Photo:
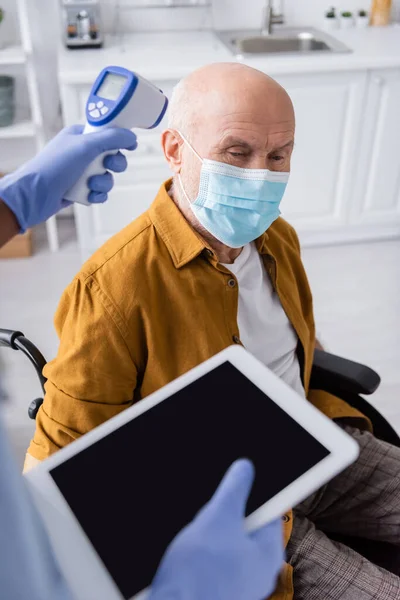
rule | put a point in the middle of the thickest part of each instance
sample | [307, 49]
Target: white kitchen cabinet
[328, 109]
[376, 199]
[345, 180]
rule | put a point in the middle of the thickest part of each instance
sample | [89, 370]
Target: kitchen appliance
[7, 100]
[81, 23]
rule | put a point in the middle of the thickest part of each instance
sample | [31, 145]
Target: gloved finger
[73, 129]
[115, 162]
[270, 538]
[233, 491]
[114, 138]
[101, 183]
[97, 197]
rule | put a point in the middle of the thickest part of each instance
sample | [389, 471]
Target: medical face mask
[236, 205]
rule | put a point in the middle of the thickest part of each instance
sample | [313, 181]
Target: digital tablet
[113, 500]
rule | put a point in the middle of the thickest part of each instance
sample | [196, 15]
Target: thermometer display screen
[111, 87]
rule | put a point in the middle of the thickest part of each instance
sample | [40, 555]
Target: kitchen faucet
[269, 18]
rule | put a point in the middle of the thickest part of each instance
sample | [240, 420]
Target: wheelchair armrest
[335, 374]
[17, 341]
[8, 337]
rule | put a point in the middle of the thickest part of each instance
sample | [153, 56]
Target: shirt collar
[262, 243]
[183, 243]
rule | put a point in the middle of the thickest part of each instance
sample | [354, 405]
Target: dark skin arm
[9, 226]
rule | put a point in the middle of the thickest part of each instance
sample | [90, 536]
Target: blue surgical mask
[236, 205]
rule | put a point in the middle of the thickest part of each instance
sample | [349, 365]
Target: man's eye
[277, 158]
[236, 154]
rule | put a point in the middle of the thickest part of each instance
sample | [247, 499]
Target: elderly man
[214, 555]
[208, 265]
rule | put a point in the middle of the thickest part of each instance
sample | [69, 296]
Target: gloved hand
[214, 557]
[36, 191]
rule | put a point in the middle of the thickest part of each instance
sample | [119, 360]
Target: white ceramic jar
[362, 21]
[346, 22]
[331, 23]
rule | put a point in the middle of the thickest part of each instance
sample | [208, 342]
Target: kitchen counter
[172, 55]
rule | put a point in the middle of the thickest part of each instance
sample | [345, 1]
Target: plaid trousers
[364, 501]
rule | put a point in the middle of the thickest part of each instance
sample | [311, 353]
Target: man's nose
[258, 162]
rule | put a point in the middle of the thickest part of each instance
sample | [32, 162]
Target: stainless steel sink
[304, 40]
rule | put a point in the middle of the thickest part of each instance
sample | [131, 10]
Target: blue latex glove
[214, 557]
[36, 191]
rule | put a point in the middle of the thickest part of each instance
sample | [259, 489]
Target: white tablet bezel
[79, 561]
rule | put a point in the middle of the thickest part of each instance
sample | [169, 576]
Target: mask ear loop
[179, 175]
[183, 190]
[190, 145]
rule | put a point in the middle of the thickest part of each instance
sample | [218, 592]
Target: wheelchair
[338, 376]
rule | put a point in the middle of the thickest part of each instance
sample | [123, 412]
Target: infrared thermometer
[118, 98]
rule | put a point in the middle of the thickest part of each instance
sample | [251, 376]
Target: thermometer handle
[80, 191]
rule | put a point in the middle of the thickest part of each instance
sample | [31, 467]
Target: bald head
[221, 89]
[229, 113]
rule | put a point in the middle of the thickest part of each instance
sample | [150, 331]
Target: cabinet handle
[378, 81]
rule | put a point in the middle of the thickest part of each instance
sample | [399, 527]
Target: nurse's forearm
[8, 224]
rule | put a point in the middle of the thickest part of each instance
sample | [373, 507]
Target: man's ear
[171, 143]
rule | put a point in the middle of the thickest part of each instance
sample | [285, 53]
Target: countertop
[172, 55]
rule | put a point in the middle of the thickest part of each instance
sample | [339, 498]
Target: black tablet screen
[135, 489]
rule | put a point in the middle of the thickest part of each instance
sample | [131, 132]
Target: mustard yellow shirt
[151, 304]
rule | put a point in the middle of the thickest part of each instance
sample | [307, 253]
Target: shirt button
[236, 339]
[209, 252]
[286, 518]
[231, 283]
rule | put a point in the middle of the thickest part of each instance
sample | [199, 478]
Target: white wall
[153, 19]
[236, 13]
[229, 14]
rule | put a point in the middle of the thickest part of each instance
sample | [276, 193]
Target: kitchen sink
[306, 40]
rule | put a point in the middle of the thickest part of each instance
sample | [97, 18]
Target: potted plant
[362, 19]
[346, 19]
[1, 19]
[331, 21]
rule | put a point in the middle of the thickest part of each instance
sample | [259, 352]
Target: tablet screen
[135, 489]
